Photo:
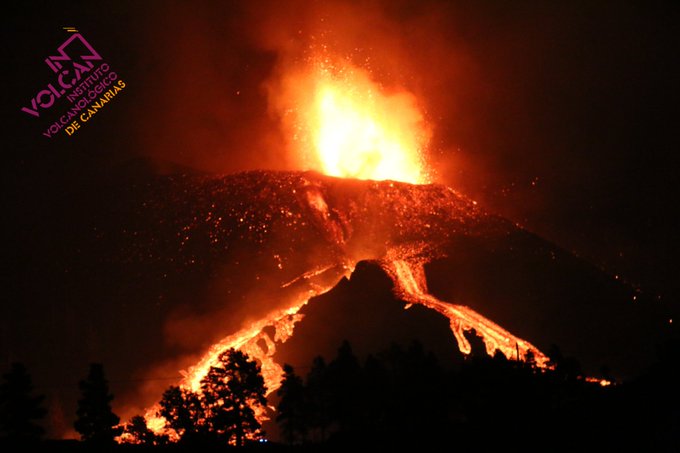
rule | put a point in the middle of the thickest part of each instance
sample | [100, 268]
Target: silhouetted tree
[293, 409]
[95, 420]
[414, 407]
[424, 378]
[375, 394]
[19, 409]
[344, 373]
[231, 391]
[184, 413]
[139, 433]
[320, 397]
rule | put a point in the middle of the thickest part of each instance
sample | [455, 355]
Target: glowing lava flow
[251, 339]
[247, 340]
[411, 286]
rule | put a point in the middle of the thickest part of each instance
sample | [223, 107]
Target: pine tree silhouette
[184, 413]
[293, 409]
[231, 391]
[19, 409]
[95, 420]
[344, 374]
[320, 397]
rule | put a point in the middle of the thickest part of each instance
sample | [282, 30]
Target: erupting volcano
[400, 222]
[305, 231]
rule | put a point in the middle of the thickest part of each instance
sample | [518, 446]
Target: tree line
[398, 396]
[403, 396]
[223, 411]
[21, 411]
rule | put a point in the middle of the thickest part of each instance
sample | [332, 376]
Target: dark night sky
[561, 116]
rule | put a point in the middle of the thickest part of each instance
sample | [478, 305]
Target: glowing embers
[601, 382]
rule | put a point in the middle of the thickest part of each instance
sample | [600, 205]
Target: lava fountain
[348, 126]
